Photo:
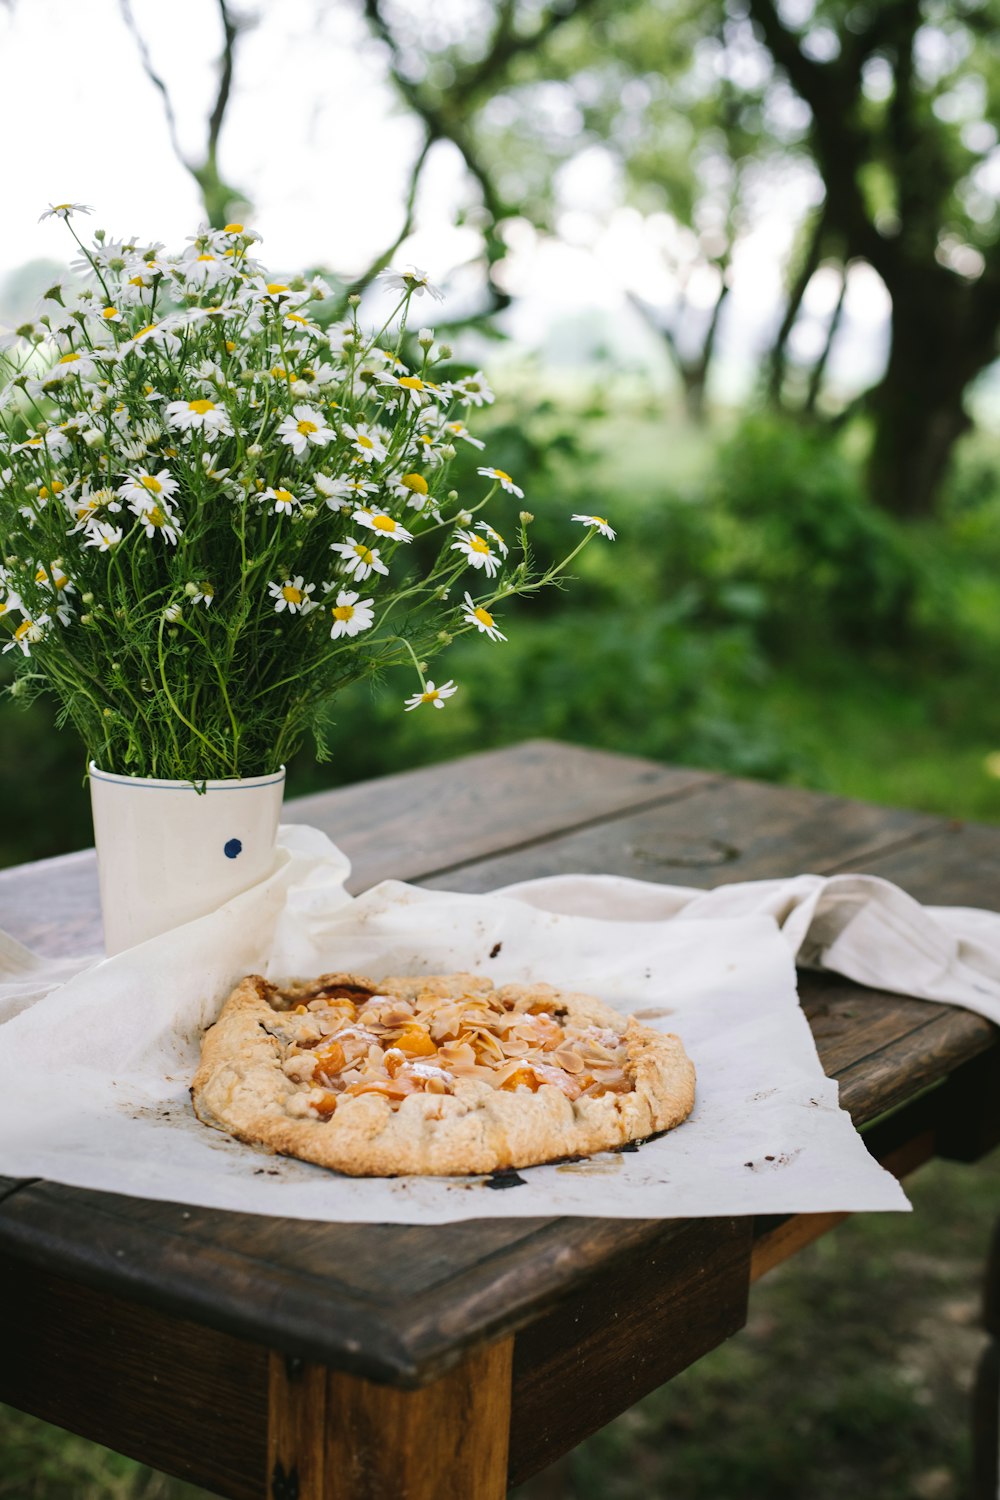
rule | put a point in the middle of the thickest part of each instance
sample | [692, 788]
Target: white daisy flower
[90, 506]
[306, 425]
[382, 522]
[412, 488]
[337, 492]
[103, 536]
[200, 593]
[64, 210]
[494, 537]
[199, 415]
[478, 551]
[599, 524]
[411, 280]
[52, 440]
[73, 362]
[284, 501]
[475, 614]
[54, 579]
[459, 430]
[366, 443]
[432, 694]
[26, 634]
[359, 560]
[503, 479]
[413, 388]
[474, 390]
[292, 595]
[143, 487]
[10, 601]
[351, 614]
[157, 520]
[298, 323]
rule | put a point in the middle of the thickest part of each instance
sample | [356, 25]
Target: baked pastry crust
[267, 1078]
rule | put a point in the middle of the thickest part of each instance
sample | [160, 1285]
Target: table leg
[337, 1437]
[986, 1396]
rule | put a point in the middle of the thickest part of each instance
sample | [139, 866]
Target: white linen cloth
[96, 1056]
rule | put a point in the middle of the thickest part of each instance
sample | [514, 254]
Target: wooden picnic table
[263, 1357]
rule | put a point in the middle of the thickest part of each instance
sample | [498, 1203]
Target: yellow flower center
[306, 427]
[110, 312]
[278, 372]
[230, 347]
[232, 229]
[292, 594]
[59, 580]
[415, 482]
[297, 318]
[135, 281]
[206, 256]
[69, 359]
[501, 474]
[384, 523]
[201, 406]
[41, 576]
[22, 630]
[342, 611]
[274, 287]
[57, 489]
[429, 697]
[151, 483]
[155, 517]
[364, 442]
[366, 554]
[284, 497]
[600, 520]
[143, 331]
[476, 544]
[411, 382]
[483, 615]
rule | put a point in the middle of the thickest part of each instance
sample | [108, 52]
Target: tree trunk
[939, 345]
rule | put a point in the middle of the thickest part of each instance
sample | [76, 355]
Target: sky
[315, 135]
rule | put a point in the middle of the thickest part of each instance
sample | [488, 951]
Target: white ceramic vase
[168, 852]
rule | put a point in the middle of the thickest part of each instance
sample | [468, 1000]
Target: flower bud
[525, 517]
[452, 496]
[354, 300]
[447, 452]
[86, 619]
[254, 450]
[445, 351]
[93, 438]
[308, 512]
[87, 598]
[445, 637]
[190, 589]
[425, 338]
[172, 614]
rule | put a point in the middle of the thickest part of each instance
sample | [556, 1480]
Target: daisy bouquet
[217, 509]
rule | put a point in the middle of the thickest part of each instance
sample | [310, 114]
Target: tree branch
[156, 81]
[842, 145]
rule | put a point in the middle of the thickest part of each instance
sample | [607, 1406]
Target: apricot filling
[346, 1040]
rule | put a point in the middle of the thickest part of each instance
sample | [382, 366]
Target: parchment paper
[95, 1067]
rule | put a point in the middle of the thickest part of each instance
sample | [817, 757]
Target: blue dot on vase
[231, 848]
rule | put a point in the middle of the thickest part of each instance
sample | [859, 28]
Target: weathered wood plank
[647, 1316]
[167, 1391]
[729, 830]
[448, 1441]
